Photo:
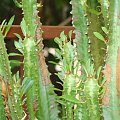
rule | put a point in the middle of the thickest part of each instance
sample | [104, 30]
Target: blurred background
[53, 12]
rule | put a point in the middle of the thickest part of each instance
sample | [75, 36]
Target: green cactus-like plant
[67, 76]
[82, 17]
[112, 63]
[101, 15]
[79, 16]
[5, 73]
[33, 64]
[8, 91]
[81, 96]
[31, 56]
[95, 21]
[39, 92]
[10, 86]
[89, 64]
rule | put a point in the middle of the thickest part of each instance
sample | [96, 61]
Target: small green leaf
[60, 83]
[3, 22]
[26, 85]
[57, 89]
[63, 36]
[52, 62]
[15, 54]
[19, 37]
[3, 27]
[17, 4]
[93, 11]
[99, 36]
[57, 40]
[15, 63]
[70, 98]
[23, 27]
[61, 102]
[105, 30]
[60, 76]
[9, 25]
[58, 53]
[19, 46]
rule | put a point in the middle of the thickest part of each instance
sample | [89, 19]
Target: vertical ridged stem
[7, 82]
[67, 76]
[86, 20]
[29, 7]
[112, 112]
[34, 65]
[105, 5]
[80, 24]
[5, 72]
[29, 72]
[5, 69]
[96, 22]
